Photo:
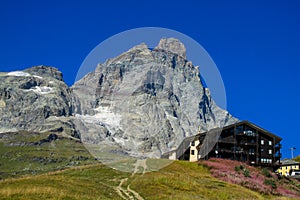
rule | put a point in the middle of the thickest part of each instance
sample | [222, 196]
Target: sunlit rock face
[144, 102]
[35, 99]
[141, 103]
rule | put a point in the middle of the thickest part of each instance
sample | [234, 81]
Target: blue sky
[255, 46]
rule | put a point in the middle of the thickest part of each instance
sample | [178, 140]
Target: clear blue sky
[255, 46]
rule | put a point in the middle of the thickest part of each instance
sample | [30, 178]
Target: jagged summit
[142, 47]
[45, 71]
[144, 103]
[172, 45]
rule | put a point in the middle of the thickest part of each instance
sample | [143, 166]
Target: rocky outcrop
[145, 102]
[172, 45]
[35, 99]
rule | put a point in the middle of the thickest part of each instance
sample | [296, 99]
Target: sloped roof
[245, 122]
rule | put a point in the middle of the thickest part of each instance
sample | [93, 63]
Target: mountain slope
[145, 102]
[36, 99]
[141, 103]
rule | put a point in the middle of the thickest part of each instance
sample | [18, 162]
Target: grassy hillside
[180, 180]
[37, 166]
[23, 153]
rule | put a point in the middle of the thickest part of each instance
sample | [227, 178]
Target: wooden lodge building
[242, 141]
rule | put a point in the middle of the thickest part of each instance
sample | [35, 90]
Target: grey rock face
[172, 45]
[145, 102]
[35, 99]
[141, 103]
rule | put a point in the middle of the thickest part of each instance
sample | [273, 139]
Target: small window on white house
[193, 152]
[193, 143]
[270, 151]
[262, 142]
[270, 142]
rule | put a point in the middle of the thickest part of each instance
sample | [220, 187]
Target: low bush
[270, 182]
[266, 172]
[246, 173]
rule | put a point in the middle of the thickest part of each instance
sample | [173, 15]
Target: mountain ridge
[142, 103]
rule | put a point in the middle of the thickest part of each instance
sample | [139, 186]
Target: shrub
[266, 172]
[242, 167]
[270, 182]
[246, 173]
[237, 168]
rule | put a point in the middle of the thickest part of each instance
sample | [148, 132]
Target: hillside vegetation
[297, 158]
[261, 180]
[180, 180]
[23, 153]
[45, 166]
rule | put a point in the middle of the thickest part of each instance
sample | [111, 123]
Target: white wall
[194, 157]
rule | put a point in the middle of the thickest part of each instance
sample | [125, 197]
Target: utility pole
[292, 151]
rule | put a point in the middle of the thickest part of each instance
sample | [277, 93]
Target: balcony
[237, 150]
[227, 141]
[221, 150]
[246, 143]
[247, 133]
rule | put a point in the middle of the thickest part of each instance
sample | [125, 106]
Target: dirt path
[140, 164]
[135, 194]
[128, 193]
[122, 192]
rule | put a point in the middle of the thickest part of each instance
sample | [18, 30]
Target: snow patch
[18, 73]
[5, 130]
[104, 116]
[37, 76]
[119, 141]
[42, 90]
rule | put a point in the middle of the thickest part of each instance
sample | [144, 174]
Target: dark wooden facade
[245, 142]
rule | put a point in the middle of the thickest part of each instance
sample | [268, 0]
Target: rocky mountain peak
[45, 71]
[172, 45]
[35, 99]
[141, 103]
[142, 47]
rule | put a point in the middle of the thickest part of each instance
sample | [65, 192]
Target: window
[193, 152]
[262, 150]
[270, 142]
[239, 129]
[270, 151]
[251, 151]
[262, 142]
[265, 160]
[193, 143]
